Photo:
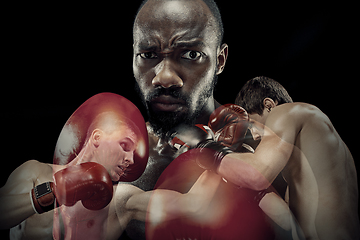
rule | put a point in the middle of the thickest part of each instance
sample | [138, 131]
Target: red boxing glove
[89, 182]
[200, 139]
[229, 123]
[187, 136]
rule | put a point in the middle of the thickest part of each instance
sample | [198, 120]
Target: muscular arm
[15, 203]
[286, 226]
[163, 205]
[259, 169]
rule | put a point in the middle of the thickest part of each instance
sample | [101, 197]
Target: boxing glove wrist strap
[211, 155]
[43, 198]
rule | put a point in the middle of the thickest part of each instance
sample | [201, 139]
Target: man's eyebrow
[189, 44]
[129, 141]
[177, 44]
[147, 47]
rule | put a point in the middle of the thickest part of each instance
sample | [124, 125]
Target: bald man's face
[176, 60]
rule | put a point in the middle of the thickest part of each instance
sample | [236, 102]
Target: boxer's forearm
[14, 209]
[259, 169]
[166, 205]
[239, 169]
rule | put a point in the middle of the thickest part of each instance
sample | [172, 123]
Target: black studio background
[55, 56]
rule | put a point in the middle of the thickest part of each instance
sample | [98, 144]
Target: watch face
[42, 190]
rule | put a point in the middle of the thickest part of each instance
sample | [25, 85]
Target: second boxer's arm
[15, 203]
[166, 205]
[285, 223]
[163, 205]
[259, 169]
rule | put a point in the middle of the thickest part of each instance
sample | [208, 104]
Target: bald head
[177, 11]
[177, 57]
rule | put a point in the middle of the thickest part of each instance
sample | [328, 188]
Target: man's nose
[166, 75]
[129, 157]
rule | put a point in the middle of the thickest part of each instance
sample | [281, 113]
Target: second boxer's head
[258, 97]
[112, 143]
[177, 57]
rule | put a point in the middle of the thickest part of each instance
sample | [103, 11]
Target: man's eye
[191, 55]
[148, 55]
[125, 147]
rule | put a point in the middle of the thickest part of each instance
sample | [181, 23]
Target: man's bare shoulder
[124, 192]
[297, 112]
[26, 176]
[309, 122]
[31, 168]
[308, 115]
[122, 196]
[297, 109]
[288, 119]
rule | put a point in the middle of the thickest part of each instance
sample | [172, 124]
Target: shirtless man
[299, 141]
[178, 54]
[115, 138]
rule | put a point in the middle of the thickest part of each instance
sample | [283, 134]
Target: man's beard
[161, 121]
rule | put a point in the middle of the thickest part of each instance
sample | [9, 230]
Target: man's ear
[96, 136]
[221, 58]
[269, 104]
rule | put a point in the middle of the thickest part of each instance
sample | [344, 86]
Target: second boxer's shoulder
[26, 176]
[286, 120]
[34, 167]
[122, 196]
[297, 115]
[296, 109]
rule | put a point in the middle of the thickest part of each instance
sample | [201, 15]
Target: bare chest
[35, 227]
[81, 223]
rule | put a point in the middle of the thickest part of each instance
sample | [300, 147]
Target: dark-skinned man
[178, 54]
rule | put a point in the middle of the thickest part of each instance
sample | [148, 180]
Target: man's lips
[167, 103]
[120, 170]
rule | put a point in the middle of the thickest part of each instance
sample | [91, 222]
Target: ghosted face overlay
[176, 60]
[115, 151]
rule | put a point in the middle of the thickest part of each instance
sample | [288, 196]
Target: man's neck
[83, 156]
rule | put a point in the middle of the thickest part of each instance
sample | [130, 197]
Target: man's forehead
[254, 117]
[178, 10]
[125, 132]
[172, 20]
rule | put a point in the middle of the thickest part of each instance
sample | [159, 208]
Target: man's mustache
[174, 92]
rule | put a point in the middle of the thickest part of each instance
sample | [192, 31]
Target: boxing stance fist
[205, 150]
[88, 182]
[229, 124]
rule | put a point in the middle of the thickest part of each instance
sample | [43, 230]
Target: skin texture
[299, 141]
